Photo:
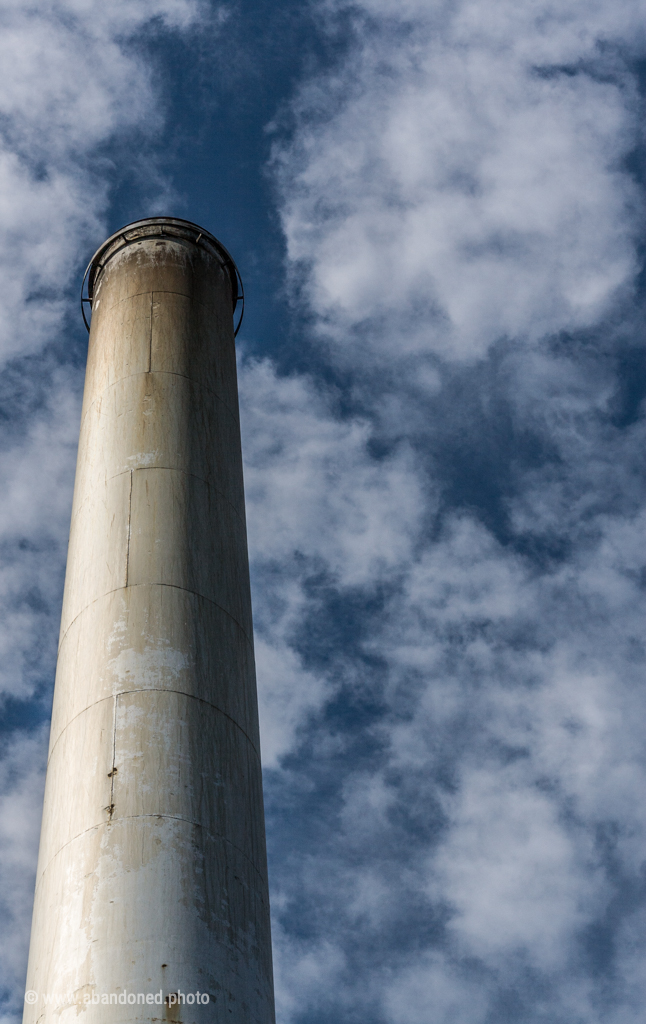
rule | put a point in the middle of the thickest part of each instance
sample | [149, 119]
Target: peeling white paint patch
[149, 667]
[143, 459]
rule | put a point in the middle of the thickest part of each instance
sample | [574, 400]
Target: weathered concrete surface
[152, 867]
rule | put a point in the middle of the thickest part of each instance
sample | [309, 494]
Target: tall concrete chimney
[151, 890]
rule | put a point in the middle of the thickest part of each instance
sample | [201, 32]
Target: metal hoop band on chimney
[167, 228]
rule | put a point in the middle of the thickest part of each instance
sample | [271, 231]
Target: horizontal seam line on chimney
[172, 469]
[152, 689]
[173, 586]
[166, 373]
[128, 817]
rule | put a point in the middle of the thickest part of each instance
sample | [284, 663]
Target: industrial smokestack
[151, 895]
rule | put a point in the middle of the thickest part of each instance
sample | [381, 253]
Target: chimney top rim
[109, 249]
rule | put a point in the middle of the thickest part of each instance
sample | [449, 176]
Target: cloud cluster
[37, 472]
[472, 184]
[464, 758]
[21, 788]
[316, 505]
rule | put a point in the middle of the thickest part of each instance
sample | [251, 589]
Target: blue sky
[438, 213]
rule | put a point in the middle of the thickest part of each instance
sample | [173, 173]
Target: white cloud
[316, 502]
[22, 779]
[512, 872]
[458, 186]
[514, 724]
[466, 190]
[35, 503]
[312, 487]
[287, 694]
[312, 972]
[543, 707]
[433, 990]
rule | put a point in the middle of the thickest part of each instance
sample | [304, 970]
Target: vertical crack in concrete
[150, 336]
[113, 770]
[129, 524]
